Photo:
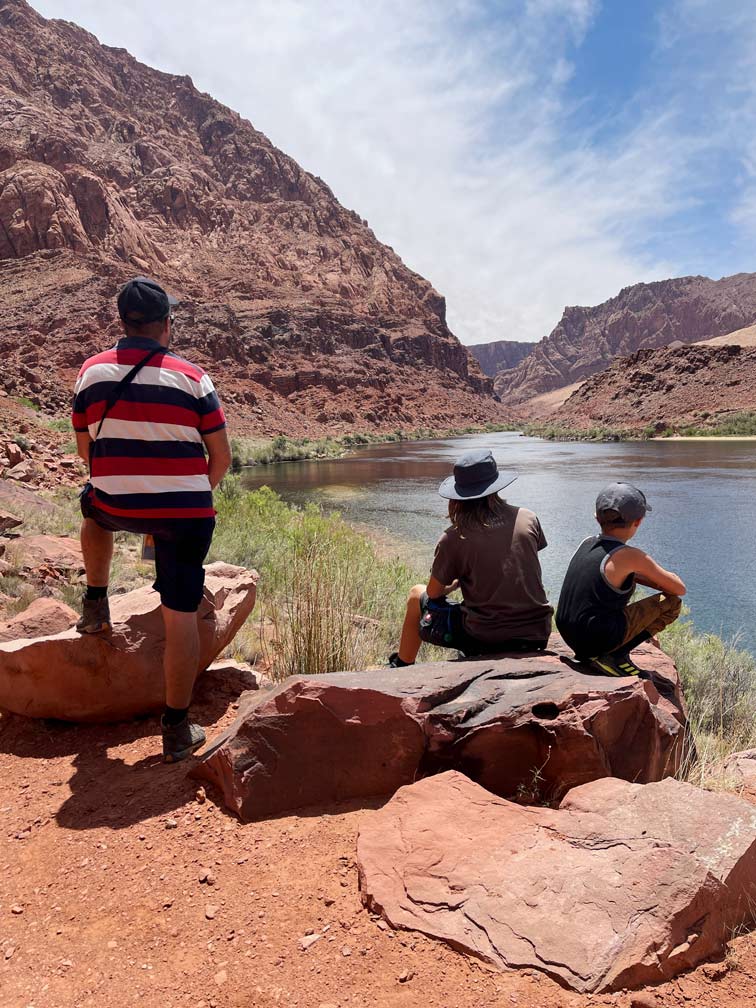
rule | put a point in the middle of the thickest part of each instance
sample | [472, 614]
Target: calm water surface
[703, 493]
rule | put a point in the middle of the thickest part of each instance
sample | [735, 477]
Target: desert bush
[719, 683]
[328, 600]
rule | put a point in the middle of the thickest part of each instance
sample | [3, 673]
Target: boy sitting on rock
[593, 615]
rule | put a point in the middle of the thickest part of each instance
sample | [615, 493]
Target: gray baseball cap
[628, 501]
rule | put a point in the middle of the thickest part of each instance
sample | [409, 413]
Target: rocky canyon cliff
[109, 169]
[645, 316]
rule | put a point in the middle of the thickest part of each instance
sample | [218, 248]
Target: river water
[703, 494]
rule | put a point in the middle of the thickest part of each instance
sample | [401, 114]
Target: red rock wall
[109, 168]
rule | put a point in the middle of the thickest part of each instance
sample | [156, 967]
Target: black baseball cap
[628, 501]
[142, 300]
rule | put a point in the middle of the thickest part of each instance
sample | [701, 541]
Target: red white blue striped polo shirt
[149, 460]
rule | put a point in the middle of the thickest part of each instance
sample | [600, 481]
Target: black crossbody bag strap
[115, 395]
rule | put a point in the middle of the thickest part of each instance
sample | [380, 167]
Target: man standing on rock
[143, 419]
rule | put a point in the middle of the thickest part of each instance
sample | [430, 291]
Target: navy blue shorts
[181, 545]
[441, 623]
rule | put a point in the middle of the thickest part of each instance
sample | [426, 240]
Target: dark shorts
[181, 545]
[441, 623]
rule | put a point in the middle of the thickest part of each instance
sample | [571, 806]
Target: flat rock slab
[623, 886]
[530, 727]
[118, 675]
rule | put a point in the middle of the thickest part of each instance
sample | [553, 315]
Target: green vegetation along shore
[248, 451]
[737, 425]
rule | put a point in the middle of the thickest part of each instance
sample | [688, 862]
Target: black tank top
[591, 612]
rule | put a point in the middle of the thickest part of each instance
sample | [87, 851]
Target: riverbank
[738, 426]
[253, 451]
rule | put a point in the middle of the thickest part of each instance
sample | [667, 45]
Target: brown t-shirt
[500, 577]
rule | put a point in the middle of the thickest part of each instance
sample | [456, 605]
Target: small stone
[328, 901]
[203, 873]
[715, 971]
[643, 1000]
[9, 952]
[17, 909]
[200, 795]
[167, 904]
[406, 975]
[112, 944]
[346, 951]
[171, 824]
[383, 925]
[308, 940]
[220, 977]
[210, 912]
[67, 963]
[210, 879]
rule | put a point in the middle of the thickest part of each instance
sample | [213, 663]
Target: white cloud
[443, 122]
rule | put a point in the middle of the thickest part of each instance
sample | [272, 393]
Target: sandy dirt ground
[119, 887]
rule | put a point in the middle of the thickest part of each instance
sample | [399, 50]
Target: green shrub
[331, 601]
[719, 684]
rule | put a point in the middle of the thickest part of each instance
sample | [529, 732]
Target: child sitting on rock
[490, 552]
[593, 615]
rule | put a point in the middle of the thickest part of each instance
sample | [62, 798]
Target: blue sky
[521, 155]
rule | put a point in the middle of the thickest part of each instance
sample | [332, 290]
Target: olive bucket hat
[475, 475]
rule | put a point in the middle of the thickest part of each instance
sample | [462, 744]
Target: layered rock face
[523, 727]
[109, 168]
[118, 675]
[674, 385]
[500, 355]
[624, 885]
[644, 316]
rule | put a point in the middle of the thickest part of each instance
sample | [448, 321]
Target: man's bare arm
[646, 570]
[219, 455]
[436, 590]
[83, 441]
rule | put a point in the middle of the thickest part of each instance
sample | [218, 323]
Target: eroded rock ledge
[526, 727]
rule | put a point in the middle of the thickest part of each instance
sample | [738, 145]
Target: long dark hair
[482, 512]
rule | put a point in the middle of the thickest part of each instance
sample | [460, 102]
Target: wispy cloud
[449, 125]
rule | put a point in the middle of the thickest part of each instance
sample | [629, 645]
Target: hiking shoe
[396, 662]
[95, 616]
[614, 665]
[180, 741]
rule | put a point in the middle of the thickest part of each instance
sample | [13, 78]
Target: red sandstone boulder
[110, 677]
[530, 727]
[740, 768]
[44, 617]
[624, 885]
[45, 554]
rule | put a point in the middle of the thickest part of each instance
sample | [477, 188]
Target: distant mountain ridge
[644, 316]
[500, 355]
[109, 168]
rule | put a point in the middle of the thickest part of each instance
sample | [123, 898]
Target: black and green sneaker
[618, 665]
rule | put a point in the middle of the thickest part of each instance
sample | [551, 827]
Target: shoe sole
[177, 757]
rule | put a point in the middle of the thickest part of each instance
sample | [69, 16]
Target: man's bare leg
[181, 659]
[97, 550]
[410, 642]
[97, 547]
